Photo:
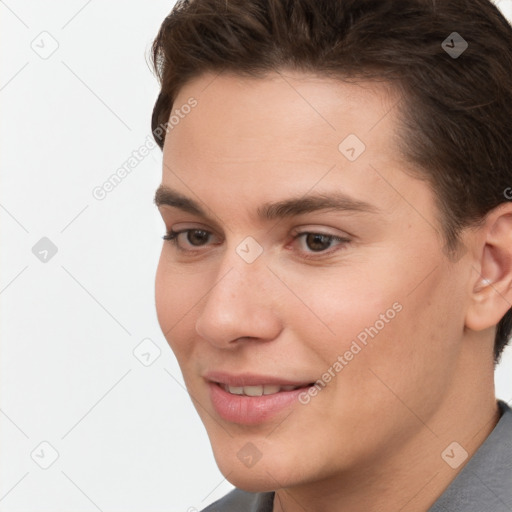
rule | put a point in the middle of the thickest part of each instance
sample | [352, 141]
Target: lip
[252, 379]
[251, 410]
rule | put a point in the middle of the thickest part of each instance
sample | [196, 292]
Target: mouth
[259, 390]
[251, 399]
[253, 382]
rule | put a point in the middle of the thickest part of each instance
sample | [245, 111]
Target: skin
[372, 439]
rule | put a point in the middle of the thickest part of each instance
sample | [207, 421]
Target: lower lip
[251, 410]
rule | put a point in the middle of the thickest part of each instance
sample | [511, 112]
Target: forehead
[303, 110]
[258, 139]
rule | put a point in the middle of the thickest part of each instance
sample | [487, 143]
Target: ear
[491, 285]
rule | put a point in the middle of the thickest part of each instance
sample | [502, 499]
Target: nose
[239, 304]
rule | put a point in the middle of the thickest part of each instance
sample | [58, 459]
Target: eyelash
[172, 237]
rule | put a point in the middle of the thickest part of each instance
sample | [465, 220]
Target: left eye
[319, 241]
[313, 242]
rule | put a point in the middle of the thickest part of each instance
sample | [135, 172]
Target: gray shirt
[483, 485]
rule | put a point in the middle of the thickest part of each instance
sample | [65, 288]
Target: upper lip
[251, 379]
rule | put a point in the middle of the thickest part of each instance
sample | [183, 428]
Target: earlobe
[491, 295]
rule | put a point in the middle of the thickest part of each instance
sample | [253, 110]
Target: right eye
[194, 238]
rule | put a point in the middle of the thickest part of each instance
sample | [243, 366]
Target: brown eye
[186, 238]
[318, 241]
[197, 236]
[317, 245]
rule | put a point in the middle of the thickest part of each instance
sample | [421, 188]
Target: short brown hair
[456, 113]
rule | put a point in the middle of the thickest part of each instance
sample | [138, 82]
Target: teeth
[235, 390]
[266, 389]
[253, 390]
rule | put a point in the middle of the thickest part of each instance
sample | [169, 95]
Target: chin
[263, 476]
[251, 480]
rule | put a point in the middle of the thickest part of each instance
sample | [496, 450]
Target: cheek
[176, 293]
[382, 321]
[410, 360]
[330, 310]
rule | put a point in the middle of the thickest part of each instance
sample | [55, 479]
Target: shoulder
[238, 500]
[485, 482]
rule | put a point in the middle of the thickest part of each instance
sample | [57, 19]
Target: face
[343, 283]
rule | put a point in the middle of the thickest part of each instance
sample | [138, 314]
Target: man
[337, 272]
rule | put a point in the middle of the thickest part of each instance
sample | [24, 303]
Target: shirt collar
[485, 482]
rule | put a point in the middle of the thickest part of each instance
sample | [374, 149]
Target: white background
[127, 435]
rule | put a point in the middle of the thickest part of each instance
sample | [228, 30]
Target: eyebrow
[337, 201]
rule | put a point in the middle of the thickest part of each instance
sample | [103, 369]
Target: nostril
[248, 338]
